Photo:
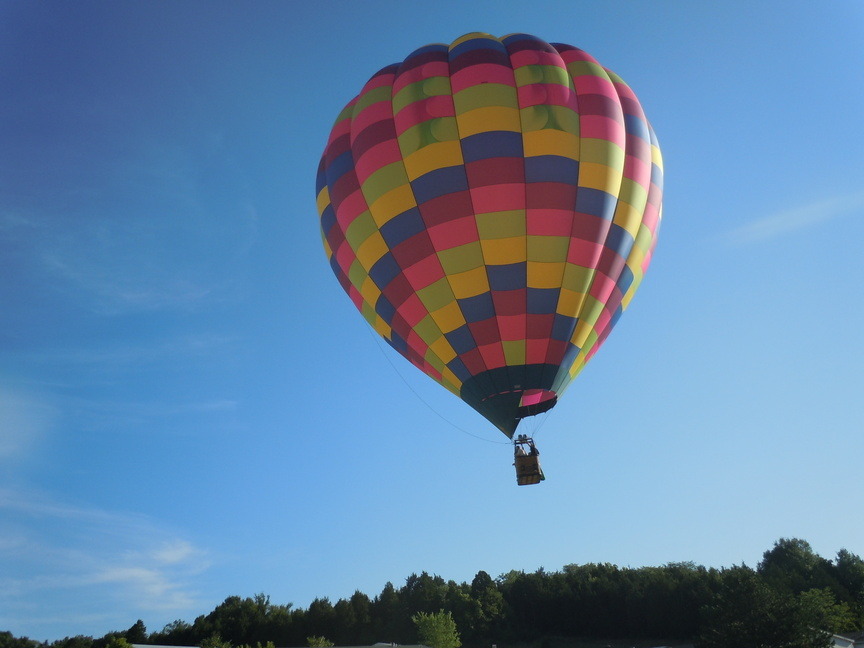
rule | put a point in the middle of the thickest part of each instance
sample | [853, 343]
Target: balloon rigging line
[421, 399]
[535, 430]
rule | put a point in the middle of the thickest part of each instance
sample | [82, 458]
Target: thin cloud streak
[134, 355]
[36, 506]
[127, 415]
[174, 552]
[154, 589]
[132, 288]
[103, 556]
[15, 224]
[160, 243]
[796, 218]
[24, 420]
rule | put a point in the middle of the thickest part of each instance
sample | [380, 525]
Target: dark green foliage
[792, 566]
[360, 628]
[849, 569]
[78, 641]
[320, 617]
[602, 600]
[792, 599]
[176, 633]
[850, 576]
[137, 634]
[486, 610]
[749, 613]
[391, 619]
[7, 640]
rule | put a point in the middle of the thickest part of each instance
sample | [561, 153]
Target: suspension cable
[377, 339]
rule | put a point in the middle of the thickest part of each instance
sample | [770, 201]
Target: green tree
[344, 622]
[748, 613]
[464, 609]
[437, 629]
[8, 640]
[362, 632]
[118, 642]
[318, 642]
[424, 593]
[823, 610]
[215, 641]
[320, 617]
[849, 570]
[137, 634]
[78, 641]
[488, 610]
[176, 633]
[389, 616]
[792, 566]
[240, 620]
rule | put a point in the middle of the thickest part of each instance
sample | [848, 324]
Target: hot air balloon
[490, 207]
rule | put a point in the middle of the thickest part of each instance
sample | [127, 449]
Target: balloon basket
[527, 462]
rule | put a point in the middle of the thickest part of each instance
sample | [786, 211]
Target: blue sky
[190, 407]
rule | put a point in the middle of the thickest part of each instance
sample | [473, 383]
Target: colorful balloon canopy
[490, 207]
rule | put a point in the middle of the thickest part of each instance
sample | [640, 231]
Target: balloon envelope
[490, 207]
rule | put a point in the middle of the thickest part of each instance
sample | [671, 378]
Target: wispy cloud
[123, 283]
[132, 416]
[151, 584]
[174, 552]
[163, 228]
[117, 564]
[24, 420]
[74, 387]
[797, 218]
[120, 356]
[14, 223]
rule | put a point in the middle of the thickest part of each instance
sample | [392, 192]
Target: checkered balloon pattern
[490, 207]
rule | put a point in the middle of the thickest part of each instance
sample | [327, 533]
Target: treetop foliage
[437, 630]
[794, 598]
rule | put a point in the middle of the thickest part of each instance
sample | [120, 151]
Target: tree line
[794, 598]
